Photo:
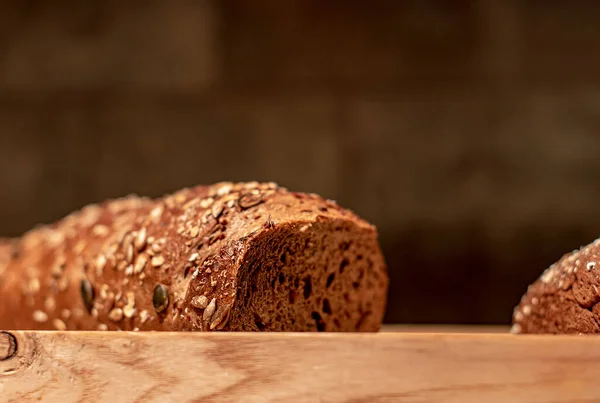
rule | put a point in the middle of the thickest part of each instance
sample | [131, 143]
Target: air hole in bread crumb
[281, 278]
[356, 284]
[330, 279]
[345, 245]
[326, 307]
[343, 265]
[283, 257]
[359, 257]
[323, 209]
[186, 270]
[362, 319]
[307, 287]
[259, 322]
[319, 321]
[336, 322]
[292, 296]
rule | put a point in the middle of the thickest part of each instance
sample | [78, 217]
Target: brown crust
[566, 297]
[108, 266]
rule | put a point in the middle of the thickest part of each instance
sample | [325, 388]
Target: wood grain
[248, 367]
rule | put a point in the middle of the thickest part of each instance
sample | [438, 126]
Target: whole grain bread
[566, 297]
[237, 257]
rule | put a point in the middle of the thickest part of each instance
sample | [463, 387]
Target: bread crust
[179, 263]
[565, 298]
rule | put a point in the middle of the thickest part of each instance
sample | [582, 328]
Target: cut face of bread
[322, 276]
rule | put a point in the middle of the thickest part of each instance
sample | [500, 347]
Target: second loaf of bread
[244, 256]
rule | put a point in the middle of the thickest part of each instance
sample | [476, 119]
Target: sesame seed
[223, 190]
[534, 301]
[104, 291]
[150, 240]
[200, 302]
[547, 275]
[121, 265]
[59, 324]
[65, 313]
[100, 263]
[129, 270]
[180, 197]
[217, 210]
[100, 230]
[156, 213]
[40, 316]
[206, 203]
[527, 310]
[157, 261]
[194, 231]
[193, 257]
[515, 329]
[190, 203]
[116, 314]
[590, 266]
[156, 248]
[102, 327]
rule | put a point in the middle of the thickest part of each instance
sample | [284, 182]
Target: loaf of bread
[232, 257]
[566, 297]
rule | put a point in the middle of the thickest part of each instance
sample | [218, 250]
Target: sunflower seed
[140, 239]
[210, 310]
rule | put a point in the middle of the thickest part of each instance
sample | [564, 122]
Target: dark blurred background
[467, 131]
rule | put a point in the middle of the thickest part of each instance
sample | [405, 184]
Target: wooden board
[288, 367]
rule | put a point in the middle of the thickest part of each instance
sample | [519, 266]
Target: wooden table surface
[400, 364]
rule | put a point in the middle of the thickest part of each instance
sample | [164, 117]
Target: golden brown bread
[244, 256]
[566, 297]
